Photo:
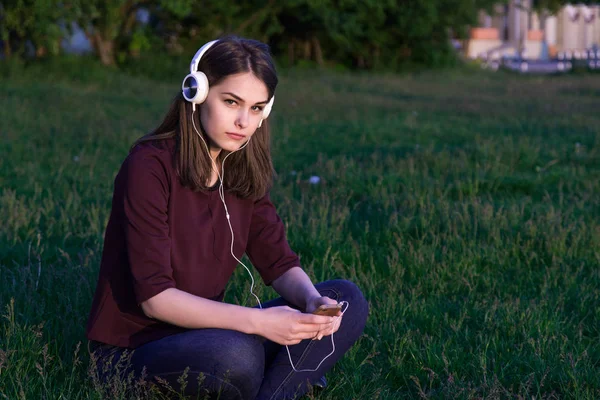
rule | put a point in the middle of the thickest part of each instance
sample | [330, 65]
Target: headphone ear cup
[195, 87]
[268, 107]
[266, 111]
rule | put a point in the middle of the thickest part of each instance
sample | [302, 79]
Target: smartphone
[330, 310]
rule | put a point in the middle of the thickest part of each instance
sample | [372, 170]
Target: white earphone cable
[222, 196]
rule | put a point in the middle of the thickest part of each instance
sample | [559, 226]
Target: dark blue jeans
[235, 365]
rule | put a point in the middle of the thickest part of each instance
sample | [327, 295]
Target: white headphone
[195, 85]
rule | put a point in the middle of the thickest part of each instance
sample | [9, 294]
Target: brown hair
[249, 172]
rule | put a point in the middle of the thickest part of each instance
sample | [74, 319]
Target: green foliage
[111, 25]
[33, 20]
[364, 34]
[379, 34]
[140, 41]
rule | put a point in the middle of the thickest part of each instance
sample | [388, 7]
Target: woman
[179, 223]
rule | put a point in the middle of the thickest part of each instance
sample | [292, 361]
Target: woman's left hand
[312, 304]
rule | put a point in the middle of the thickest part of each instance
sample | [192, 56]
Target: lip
[235, 136]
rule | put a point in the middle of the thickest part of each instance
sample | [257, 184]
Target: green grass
[465, 204]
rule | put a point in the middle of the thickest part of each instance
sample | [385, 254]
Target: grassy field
[465, 204]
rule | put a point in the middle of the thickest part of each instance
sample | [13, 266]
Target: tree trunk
[317, 51]
[360, 62]
[104, 48]
[376, 57]
[128, 25]
[291, 51]
[306, 50]
[7, 50]
[405, 52]
[40, 52]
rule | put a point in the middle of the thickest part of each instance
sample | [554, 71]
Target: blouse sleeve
[145, 203]
[267, 246]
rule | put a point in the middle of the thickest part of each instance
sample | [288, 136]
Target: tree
[355, 33]
[33, 21]
[108, 23]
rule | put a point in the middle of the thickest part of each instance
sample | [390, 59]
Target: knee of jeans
[243, 365]
[351, 293]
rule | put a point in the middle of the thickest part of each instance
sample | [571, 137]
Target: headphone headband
[199, 54]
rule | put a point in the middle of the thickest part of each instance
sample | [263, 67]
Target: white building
[515, 28]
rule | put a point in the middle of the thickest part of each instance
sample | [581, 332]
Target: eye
[257, 108]
[230, 102]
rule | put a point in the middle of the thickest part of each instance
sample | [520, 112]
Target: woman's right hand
[287, 326]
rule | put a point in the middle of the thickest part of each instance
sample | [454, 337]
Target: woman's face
[232, 110]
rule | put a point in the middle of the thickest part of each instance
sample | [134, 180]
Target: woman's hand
[313, 303]
[287, 326]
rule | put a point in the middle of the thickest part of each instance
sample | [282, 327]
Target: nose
[242, 118]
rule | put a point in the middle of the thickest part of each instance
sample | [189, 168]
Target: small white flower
[314, 180]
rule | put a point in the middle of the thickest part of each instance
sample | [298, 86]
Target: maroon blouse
[162, 235]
